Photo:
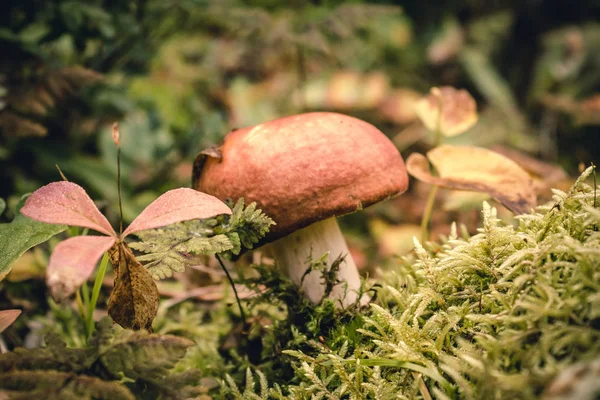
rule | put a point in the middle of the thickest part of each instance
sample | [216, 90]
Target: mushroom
[303, 171]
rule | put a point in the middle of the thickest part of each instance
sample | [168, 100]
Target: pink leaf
[72, 263]
[66, 203]
[7, 317]
[175, 206]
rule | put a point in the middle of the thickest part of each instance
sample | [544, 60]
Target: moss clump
[496, 315]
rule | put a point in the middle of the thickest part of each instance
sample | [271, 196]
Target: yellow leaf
[447, 110]
[479, 170]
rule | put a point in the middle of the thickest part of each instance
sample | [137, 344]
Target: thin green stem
[85, 295]
[80, 306]
[427, 214]
[431, 199]
[89, 321]
[232, 283]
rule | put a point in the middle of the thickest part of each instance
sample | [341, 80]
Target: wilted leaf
[21, 235]
[447, 110]
[175, 206]
[133, 302]
[72, 262]
[7, 317]
[545, 175]
[479, 170]
[66, 203]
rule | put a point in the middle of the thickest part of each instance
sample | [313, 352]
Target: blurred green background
[179, 74]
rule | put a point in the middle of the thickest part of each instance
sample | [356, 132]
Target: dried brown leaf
[133, 302]
[479, 170]
[545, 175]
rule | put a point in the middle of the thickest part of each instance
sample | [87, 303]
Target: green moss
[496, 315]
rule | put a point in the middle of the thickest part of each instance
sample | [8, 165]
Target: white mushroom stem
[293, 251]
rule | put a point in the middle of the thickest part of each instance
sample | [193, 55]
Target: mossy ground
[491, 316]
[495, 315]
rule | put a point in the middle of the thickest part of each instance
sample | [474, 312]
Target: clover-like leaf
[476, 169]
[7, 317]
[175, 206]
[66, 203]
[447, 110]
[72, 262]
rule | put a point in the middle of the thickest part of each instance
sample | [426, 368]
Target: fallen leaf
[175, 206]
[479, 170]
[447, 110]
[66, 203]
[133, 302]
[545, 175]
[7, 317]
[19, 236]
[72, 262]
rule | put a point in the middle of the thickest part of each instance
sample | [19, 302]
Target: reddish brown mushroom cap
[304, 168]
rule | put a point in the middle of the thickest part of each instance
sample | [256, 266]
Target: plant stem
[85, 295]
[80, 304]
[232, 283]
[89, 320]
[427, 214]
[431, 199]
[119, 190]
[594, 173]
